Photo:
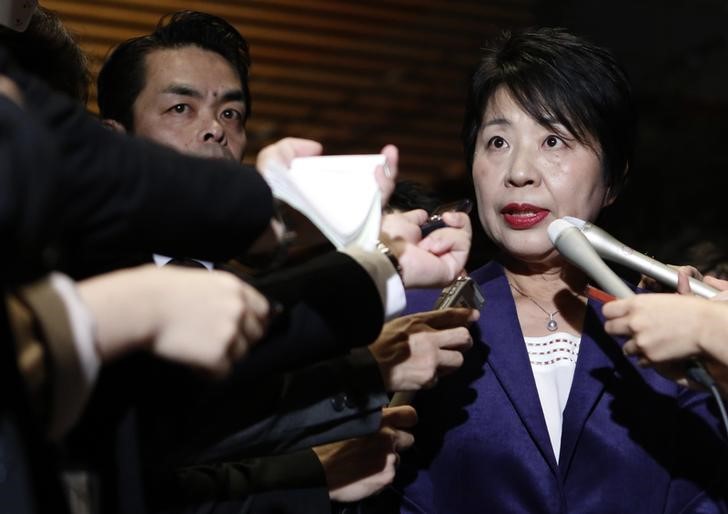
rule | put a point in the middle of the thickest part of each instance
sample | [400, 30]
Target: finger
[402, 440]
[618, 327]
[255, 302]
[252, 328]
[450, 361]
[451, 338]
[692, 272]
[721, 297]
[385, 182]
[10, 89]
[238, 348]
[403, 416]
[304, 147]
[683, 284]
[416, 216]
[616, 308]
[456, 219]
[456, 339]
[445, 240]
[449, 318]
[287, 149]
[717, 283]
[218, 369]
[630, 348]
[391, 153]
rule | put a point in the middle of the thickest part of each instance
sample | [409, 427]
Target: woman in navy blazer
[547, 415]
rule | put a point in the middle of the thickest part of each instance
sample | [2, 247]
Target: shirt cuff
[385, 277]
[68, 334]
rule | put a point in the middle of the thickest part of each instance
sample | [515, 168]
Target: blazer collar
[588, 384]
[508, 358]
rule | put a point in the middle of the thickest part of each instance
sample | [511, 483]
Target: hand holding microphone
[573, 244]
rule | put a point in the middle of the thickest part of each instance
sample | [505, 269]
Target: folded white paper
[338, 193]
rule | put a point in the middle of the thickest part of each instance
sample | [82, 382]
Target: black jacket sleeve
[293, 483]
[331, 304]
[87, 188]
[185, 422]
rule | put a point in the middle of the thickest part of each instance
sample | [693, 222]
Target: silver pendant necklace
[551, 324]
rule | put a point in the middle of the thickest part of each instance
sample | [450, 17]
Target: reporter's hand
[195, 317]
[683, 285]
[282, 152]
[434, 261]
[660, 327]
[386, 178]
[357, 468]
[721, 285]
[414, 351]
[10, 89]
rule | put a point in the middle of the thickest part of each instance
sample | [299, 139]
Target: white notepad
[337, 193]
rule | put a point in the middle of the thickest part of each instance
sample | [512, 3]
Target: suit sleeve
[289, 482]
[329, 401]
[56, 356]
[331, 304]
[79, 185]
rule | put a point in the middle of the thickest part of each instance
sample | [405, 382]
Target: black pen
[435, 221]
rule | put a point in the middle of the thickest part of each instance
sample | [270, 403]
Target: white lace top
[553, 360]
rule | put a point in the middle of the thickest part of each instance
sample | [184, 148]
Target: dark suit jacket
[185, 419]
[28, 484]
[632, 441]
[67, 185]
[293, 482]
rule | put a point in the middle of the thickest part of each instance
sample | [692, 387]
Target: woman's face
[527, 175]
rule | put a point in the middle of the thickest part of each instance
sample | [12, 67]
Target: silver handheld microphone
[611, 249]
[573, 245]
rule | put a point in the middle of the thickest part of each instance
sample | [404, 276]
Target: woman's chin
[545, 256]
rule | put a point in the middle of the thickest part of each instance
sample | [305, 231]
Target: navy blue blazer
[632, 441]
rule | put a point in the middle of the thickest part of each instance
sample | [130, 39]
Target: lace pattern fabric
[553, 360]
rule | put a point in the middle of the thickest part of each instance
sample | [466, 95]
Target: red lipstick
[521, 216]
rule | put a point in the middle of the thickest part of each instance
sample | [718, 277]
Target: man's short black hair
[48, 50]
[557, 77]
[123, 75]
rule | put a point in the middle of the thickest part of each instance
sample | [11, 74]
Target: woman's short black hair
[557, 77]
[123, 75]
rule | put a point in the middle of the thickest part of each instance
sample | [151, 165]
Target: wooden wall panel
[354, 75]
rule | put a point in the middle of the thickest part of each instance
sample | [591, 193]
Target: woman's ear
[113, 125]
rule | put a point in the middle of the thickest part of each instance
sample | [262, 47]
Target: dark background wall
[676, 54]
[358, 75]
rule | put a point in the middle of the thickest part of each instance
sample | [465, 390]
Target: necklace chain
[551, 324]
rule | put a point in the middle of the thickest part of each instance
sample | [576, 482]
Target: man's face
[193, 101]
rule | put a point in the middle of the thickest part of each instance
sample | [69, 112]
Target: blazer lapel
[508, 357]
[588, 385]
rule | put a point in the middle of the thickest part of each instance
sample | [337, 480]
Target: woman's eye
[497, 142]
[553, 141]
